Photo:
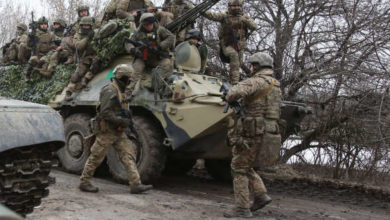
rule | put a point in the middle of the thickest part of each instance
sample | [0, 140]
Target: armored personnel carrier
[29, 135]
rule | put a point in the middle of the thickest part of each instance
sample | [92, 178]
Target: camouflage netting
[113, 45]
[39, 89]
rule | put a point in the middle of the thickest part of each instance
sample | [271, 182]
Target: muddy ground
[189, 197]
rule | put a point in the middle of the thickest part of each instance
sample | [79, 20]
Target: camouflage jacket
[260, 93]
[110, 107]
[58, 35]
[82, 43]
[178, 9]
[159, 37]
[234, 28]
[45, 42]
[124, 7]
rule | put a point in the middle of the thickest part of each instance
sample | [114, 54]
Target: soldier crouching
[112, 120]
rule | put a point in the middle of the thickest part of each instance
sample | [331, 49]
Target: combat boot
[238, 213]
[140, 188]
[88, 187]
[70, 60]
[69, 96]
[260, 202]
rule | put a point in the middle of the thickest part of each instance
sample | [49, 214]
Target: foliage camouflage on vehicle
[39, 89]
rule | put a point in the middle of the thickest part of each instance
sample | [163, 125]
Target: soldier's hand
[59, 48]
[135, 13]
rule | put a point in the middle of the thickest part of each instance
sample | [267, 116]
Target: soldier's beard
[235, 11]
[85, 31]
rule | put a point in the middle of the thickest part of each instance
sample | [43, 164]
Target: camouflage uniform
[112, 121]
[123, 9]
[67, 44]
[202, 48]
[162, 40]
[251, 135]
[87, 64]
[233, 23]
[177, 8]
[15, 50]
[45, 42]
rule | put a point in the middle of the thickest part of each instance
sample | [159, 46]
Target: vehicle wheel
[74, 154]
[151, 155]
[24, 177]
[178, 167]
[219, 169]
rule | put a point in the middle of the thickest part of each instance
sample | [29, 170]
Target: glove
[154, 50]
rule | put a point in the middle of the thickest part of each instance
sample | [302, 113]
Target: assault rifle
[33, 40]
[144, 49]
[189, 17]
[236, 105]
[68, 29]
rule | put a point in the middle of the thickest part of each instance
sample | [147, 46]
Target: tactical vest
[265, 105]
[178, 9]
[151, 38]
[232, 31]
[45, 42]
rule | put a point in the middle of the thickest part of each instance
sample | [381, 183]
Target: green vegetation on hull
[39, 89]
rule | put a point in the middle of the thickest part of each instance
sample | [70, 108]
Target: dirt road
[186, 198]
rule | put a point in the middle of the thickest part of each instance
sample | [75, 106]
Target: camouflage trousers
[99, 150]
[139, 71]
[87, 68]
[244, 176]
[235, 63]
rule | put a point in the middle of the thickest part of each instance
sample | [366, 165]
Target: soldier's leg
[13, 52]
[98, 151]
[166, 67]
[139, 68]
[44, 62]
[75, 80]
[53, 61]
[234, 63]
[23, 53]
[68, 49]
[128, 156]
[32, 62]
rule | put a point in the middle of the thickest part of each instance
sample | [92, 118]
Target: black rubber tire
[151, 154]
[24, 177]
[75, 125]
[178, 167]
[219, 169]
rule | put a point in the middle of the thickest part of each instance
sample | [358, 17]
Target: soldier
[67, 47]
[87, 64]
[112, 119]
[12, 52]
[177, 8]
[124, 9]
[159, 41]
[59, 26]
[44, 42]
[233, 34]
[251, 135]
[194, 37]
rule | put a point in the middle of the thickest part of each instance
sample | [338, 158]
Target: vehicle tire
[74, 154]
[24, 177]
[219, 169]
[178, 167]
[151, 154]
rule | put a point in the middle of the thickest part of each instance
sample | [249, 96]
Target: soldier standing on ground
[113, 117]
[233, 34]
[253, 134]
[45, 42]
[87, 65]
[159, 41]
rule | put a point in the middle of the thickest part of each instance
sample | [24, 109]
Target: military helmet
[86, 21]
[262, 59]
[123, 70]
[147, 18]
[82, 8]
[60, 22]
[22, 26]
[235, 3]
[193, 33]
[43, 20]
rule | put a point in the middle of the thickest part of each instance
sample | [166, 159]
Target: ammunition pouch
[269, 151]
[252, 127]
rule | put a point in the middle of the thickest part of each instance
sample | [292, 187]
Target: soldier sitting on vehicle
[41, 44]
[113, 117]
[87, 63]
[13, 51]
[154, 44]
[194, 37]
[125, 9]
[233, 35]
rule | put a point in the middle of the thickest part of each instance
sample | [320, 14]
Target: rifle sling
[264, 92]
[120, 96]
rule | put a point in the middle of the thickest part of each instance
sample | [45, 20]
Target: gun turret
[190, 16]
